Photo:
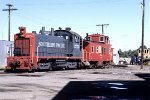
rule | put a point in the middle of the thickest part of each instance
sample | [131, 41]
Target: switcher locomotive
[58, 49]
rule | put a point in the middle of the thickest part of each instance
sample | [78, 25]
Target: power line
[39, 22]
[9, 11]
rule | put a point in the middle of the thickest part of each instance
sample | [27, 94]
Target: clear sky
[123, 16]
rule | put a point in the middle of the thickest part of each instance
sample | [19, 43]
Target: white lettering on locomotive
[76, 46]
[47, 44]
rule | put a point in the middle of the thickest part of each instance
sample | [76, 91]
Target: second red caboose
[97, 50]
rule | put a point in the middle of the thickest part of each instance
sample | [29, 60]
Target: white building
[6, 50]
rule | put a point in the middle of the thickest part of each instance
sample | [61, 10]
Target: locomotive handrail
[10, 51]
[37, 53]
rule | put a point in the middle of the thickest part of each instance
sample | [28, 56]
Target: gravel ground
[46, 85]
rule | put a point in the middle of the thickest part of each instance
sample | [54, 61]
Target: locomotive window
[67, 37]
[92, 49]
[24, 47]
[71, 38]
[76, 39]
[17, 51]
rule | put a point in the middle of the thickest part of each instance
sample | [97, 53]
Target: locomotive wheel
[7, 70]
[50, 68]
[31, 70]
[91, 66]
[79, 66]
[64, 68]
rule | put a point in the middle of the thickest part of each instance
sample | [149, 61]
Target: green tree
[127, 53]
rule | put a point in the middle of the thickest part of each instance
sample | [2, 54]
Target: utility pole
[9, 11]
[102, 25]
[142, 43]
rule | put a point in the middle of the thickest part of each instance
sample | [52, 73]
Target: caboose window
[92, 49]
[107, 39]
[97, 49]
[104, 50]
[88, 38]
[145, 51]
[139, 51]
[101, 39]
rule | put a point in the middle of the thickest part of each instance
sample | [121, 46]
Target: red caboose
[97, 50]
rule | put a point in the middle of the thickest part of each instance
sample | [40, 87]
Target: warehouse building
[6, 49]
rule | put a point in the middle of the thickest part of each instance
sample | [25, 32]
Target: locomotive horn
[43, 29]
[68, 28]
[87, 35]
[52, 31]
[60, 28]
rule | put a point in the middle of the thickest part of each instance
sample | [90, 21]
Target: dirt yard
[46, 85]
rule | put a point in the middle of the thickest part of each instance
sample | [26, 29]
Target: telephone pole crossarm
[9, 12]
[102, 25]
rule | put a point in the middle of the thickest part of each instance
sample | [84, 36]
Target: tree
[128, 53]
[141, 47]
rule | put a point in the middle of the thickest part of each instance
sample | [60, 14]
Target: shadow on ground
[106, 90]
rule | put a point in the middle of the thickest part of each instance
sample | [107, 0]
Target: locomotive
[58, 49]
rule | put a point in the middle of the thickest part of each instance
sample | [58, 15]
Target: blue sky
[123, 16]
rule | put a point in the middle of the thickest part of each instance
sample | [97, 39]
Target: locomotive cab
[72, 44]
